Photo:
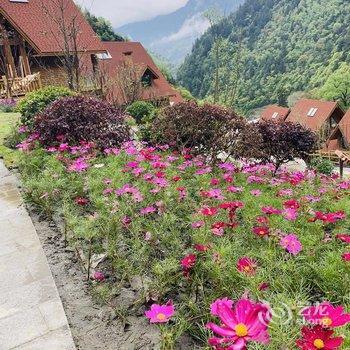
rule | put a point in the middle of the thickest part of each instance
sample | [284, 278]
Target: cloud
[121, 12]
[192, 27]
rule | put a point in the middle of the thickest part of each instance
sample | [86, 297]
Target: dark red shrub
[75, 119]
[285, 141]
[207, 130]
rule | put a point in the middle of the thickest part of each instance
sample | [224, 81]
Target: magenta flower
[247, 265]
[160, 313]
[346, 256]
[270, 210]
[214, 306]
[290, 214]
[197, 224]
[245, 323]
[78, 166]
[326, 315]
[292, 244]
[98, 276]
[148, 210]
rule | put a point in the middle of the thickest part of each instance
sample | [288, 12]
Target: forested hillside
[269, 49]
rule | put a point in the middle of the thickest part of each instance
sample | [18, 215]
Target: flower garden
[232, 253]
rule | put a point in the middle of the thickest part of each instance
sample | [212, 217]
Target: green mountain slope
[269, 49]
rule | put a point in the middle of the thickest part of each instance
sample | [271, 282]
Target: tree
[282, 142]
[337, 86]
[102, 27]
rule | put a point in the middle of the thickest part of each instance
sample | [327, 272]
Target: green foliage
[8, 122]
[102, 27]
[36, 101]
[185, 94]
[337, 86]
[321, 165]
[268, 50]
[140, 110]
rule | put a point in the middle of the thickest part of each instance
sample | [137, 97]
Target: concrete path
[31, 312]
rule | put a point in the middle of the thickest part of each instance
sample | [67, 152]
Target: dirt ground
[93, 326]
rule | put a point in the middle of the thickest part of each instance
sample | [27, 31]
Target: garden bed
[186, 234]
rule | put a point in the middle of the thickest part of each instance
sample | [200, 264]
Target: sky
[121, 12]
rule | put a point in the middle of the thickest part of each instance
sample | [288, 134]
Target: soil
[94, 326]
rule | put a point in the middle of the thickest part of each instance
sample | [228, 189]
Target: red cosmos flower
[292, 204]
[270, 210]
[232, 205]
[261, 230]
[263, 286]
[176, 178]
[188, 262]
[81, 201]
[262, 219]
[214, 182]
[209, 211]
[218, 228]
[344, 238]
[346, 256]
[318, 338]
[247, 265]
[201, 247]
[330, 217]
[326, 315]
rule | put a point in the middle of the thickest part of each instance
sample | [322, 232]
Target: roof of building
[313, 113]
[38, 22]
[274, 112]
[344, 128]
[120, 52]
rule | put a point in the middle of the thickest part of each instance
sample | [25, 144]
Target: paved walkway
[31, 312]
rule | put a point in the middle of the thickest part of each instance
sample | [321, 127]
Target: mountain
[173, 35]
[268, 50]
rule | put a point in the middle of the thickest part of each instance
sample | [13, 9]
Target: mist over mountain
[172, 36]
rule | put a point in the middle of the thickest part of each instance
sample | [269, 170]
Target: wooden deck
[15, 87]
[341, 157]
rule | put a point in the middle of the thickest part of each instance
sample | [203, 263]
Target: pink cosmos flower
[285, 192]
[343, 237]
[326, 315]
[218, 228]
[346, 256]
[247, 265]
[197, 224]
[214, 182]
[292, 244]
[270, 210]
[318, 338]
[234, 189]
[262, 219]
[79, 165]
[256, 193]
[290, 214]
[148, 210]
[160, 313]
[214, 306]
[245, 323]
[99, 276]
[201, 247]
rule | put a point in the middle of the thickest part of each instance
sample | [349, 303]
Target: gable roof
[342, 129]
[274, 112]
[120, 52]
[36, 21]
[313, 113]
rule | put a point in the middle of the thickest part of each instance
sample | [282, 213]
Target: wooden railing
[14, 87]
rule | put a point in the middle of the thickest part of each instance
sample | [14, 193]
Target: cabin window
[147, 79]
[104, 56]
[127, 53]
[312, 112]
[275, 115]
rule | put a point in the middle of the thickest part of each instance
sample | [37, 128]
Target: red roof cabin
[32, 44]
[130, 60]
[275, 112]
[340, 137]
[321, 117]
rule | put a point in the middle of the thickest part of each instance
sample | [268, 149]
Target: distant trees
[337, 86]
[102, 27]
[271, 48]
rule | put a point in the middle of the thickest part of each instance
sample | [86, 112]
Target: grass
[7, 122]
